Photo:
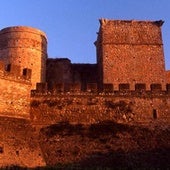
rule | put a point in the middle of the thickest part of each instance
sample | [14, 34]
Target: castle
[53, 111]
[129, 76]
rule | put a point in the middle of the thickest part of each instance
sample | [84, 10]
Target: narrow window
[17, 153]
[8, 67]
[24, 72]
[155, 115]
[1, 149]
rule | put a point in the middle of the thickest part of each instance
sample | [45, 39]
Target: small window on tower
[155, 114]
[8, 67]
[1, 149]
[24, 72]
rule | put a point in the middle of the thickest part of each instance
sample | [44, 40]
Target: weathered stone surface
[130, 52]
[88, 108]
[105, 145]
[61, 70]
[19, 143]
[85, 113]
[15, 92]
[25, 47]
[168, 76]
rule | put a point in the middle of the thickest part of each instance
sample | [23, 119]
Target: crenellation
[140, 87]
[156, 87]
[57, 87]
[75, 87]
[15, 73]
[124, 87]
[108, 88]
[41, 87]
[92, 88]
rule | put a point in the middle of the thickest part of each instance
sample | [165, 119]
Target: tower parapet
[15, 73]
[15, 86]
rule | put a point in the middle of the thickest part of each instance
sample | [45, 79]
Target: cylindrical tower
[26, 47]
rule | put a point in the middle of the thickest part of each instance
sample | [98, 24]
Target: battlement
[104, 21]
[15, 73]
[23, 29]
[130, 32]
[92, 88]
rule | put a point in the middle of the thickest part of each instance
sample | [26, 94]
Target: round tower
[26, 47]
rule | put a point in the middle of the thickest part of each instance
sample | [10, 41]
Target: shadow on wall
[105, 144]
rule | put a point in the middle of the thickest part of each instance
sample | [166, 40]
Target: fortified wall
[67, 103]
[128, 84]
[130, 68]
[15, 86]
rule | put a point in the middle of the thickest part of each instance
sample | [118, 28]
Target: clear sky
[71, 25]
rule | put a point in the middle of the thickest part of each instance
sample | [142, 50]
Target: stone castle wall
[27, 48]
[87, 109]
[128, 85]
[61, 70]
[130, 52]
[91, 107]
[19, 144]
[129, 57]
[15, 91]
[58, 71]
[84, 74]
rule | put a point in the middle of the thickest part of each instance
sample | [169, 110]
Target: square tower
[130, 52]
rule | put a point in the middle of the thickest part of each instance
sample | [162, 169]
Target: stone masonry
[129, 84]
[130, 52]
[25, 47]
[129, 58]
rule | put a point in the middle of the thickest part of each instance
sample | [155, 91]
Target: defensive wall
[15, 86]
[25, 47]
[133, 87]
[19, 145]
[68, 103]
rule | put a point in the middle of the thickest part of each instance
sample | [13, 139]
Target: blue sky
[71, 25]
